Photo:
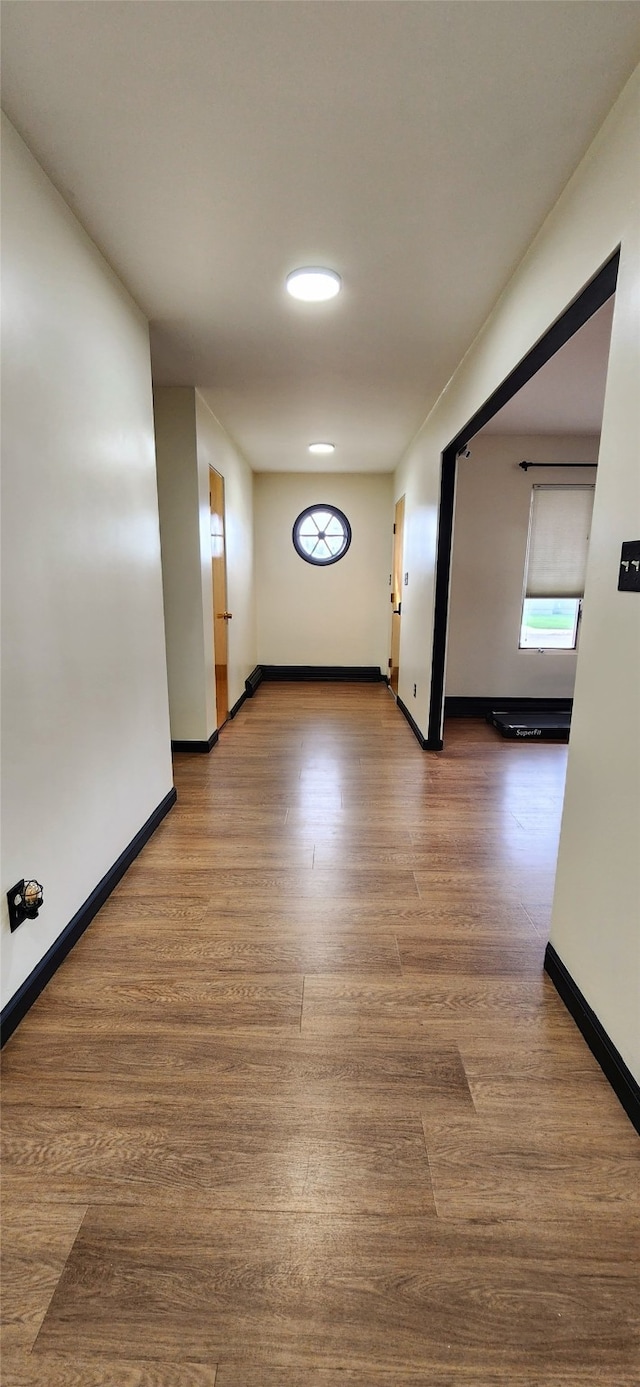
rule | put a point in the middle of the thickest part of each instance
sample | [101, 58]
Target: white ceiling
[566, 395]
[209, 148]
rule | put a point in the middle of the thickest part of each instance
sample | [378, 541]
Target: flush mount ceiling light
[322, 447]
[313, 284]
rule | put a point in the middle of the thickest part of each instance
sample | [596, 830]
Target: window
[559, 525]
[321, 534]
[549, 623]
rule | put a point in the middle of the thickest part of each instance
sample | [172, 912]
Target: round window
[321, 534]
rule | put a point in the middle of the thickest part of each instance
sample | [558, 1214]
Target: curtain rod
[526, 465]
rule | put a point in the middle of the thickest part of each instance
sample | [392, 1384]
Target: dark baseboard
[197, 746]
[253, 681]
[358, 674]
[31, 988]
[610, 1061]
[413, 725]
[237, 706]
[455, 707]
[350, 674]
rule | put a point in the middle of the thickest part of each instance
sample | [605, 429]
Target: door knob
[226, 616]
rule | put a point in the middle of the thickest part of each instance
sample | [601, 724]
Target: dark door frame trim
[590, 299]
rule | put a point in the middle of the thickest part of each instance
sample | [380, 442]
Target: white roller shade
[559, 529]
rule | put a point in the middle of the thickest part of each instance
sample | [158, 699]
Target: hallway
[301, 1108]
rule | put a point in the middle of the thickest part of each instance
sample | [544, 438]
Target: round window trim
[303, 529]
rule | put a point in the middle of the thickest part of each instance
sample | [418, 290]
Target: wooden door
[396, 595]
[221, 617]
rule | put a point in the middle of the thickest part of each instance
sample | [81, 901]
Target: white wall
[85, 746]
[339, 615]
[189, 440]
[493, 500]
[595, 916]
[191, 691]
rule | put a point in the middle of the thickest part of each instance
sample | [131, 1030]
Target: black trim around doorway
[591, 298]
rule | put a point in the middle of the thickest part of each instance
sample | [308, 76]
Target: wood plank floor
[301, 1108]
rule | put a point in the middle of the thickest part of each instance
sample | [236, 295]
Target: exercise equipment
[528, 725]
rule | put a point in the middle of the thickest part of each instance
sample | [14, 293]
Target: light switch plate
[629, 575]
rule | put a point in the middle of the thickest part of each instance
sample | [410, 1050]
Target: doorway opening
[589, 302]
[523, 509]
[396, 595]
[221, 617]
